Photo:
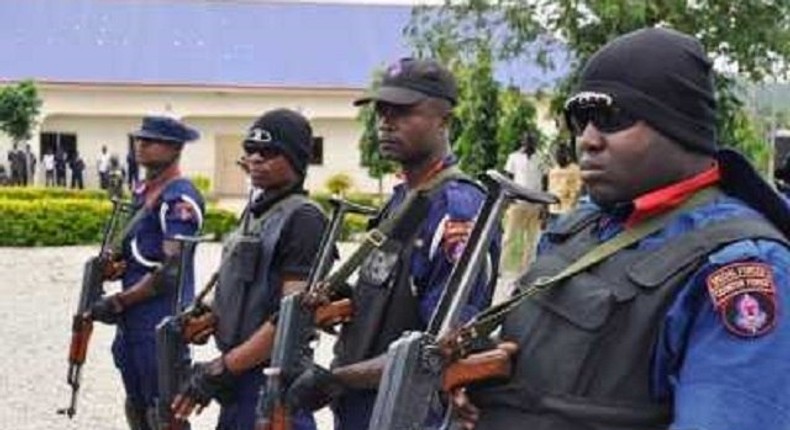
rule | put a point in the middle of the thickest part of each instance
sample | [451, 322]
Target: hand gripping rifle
[296, 328]
[93, 277]
[172, 347]
[420, 364]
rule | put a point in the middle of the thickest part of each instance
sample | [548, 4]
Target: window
[317, 157]
[54, 142]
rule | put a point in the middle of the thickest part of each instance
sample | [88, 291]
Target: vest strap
[410, 212]
[487, 321]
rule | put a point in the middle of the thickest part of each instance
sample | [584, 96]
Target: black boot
[137, 417]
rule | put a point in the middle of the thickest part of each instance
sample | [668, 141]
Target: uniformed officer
[398, 288]
[684, 326]
[167, 205]
[270, 255]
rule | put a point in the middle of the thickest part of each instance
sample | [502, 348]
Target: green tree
[750, 38]
[370, 157]
[517, 117]
[19, 108]
[477, 115]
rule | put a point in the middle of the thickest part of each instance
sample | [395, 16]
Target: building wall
[105, 114]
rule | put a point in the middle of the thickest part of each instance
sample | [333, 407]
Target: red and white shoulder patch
[744, 294]
[184, 211]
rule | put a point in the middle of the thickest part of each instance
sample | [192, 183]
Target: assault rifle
[94, 274]
[296, 327]
[172, 347]
[421, 364]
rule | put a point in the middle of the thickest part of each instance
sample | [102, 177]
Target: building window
[54, 142]
[317, 157]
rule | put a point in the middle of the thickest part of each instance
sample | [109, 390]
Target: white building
[100, 65]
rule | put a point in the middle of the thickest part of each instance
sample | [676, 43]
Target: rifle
[296, 328]
[172, 349]
[420, 364]
[93, 276]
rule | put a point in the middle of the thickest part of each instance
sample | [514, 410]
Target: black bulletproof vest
[247, 292]
[385, 302]
[586, 344]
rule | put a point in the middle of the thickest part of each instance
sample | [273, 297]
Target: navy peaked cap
[165, 129]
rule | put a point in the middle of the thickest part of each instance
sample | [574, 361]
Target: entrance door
[231, 180]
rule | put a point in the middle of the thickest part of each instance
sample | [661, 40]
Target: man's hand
[114, 268]
[107, 309]
[198, 329]
[313, 389]
[208, 380]
[465, 413]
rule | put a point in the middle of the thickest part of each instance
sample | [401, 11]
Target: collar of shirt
[150, 189]
[438, 166]
[655, 202]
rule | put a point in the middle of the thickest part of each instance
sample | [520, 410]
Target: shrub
[74, 221]
[38, 193]
[354, 224]
[339, 183]
[202, 183]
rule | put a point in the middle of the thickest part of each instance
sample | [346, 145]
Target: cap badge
[259, 135]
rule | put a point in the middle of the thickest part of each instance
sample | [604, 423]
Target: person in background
[48, 161]
[77, 169]
[102, 166]
[61, 161]
[564, 181]
[30, 166]
[523, 219]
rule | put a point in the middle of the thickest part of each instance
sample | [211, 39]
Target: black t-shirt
[300, 241]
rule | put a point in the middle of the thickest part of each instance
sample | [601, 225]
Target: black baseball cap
[411, 80]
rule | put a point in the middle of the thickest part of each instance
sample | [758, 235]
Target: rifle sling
[488, 320]
[143, 210]
[380, 236]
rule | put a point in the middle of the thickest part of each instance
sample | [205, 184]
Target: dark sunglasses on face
[601, 111]
[265, 151]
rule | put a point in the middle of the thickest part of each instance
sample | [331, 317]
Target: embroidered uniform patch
[184, 211]
[745, 296]
[454, 238]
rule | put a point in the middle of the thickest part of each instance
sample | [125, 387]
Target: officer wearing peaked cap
[167, 204]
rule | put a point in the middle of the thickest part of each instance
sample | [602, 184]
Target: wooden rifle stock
[482, 366]
[81, 330]
[334, 313]
[280, 420]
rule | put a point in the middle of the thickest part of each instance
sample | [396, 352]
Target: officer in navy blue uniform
[167, 205]
[684, 328]
[285, 228]
[398, 292]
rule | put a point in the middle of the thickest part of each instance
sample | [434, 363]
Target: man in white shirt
[49, 168]
[523, 220]
[103, 166]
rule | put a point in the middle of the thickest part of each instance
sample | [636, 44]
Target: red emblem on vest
[744, 294]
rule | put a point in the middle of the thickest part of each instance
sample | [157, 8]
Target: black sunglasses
[598, 109]
[264, 150]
